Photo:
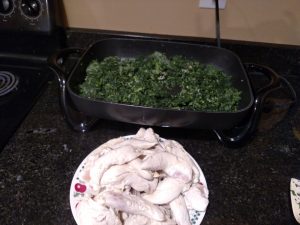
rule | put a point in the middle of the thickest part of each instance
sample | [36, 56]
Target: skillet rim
[158, 41]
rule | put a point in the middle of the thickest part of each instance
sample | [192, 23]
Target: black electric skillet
[230, 127]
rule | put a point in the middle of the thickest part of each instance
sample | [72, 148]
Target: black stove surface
[15, 105]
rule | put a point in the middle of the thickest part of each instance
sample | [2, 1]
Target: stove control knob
[31, 8]
[6, 7]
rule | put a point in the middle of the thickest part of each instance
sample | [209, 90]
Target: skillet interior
[221, 58]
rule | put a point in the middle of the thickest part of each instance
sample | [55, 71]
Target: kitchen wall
[271, 21]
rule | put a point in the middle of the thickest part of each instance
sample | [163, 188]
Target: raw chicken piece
[117, 156]
[159, 148]
[177, 149]
[171, 164]
[138, 183]
[140, 134]
[136, 143]
[132, 204]
[144, 139]
[107, 146]
[168, 214]
[137, 220]
[147, 135]
[167, 222]
[196, 197]
[166, 210]
[97, 153]
[90, 212]
[137, 165]
[129, 179]
[151, 136]
[142, 220]
[180, 211]
[167, 190]
[114, 174]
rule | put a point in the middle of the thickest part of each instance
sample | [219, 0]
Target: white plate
[295, 198]
[78, 188]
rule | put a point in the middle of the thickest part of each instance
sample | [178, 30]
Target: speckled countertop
[248, 185]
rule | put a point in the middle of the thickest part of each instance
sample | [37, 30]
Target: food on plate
[132, 204]
[193, 195]
[161, 82]
[118, 156]
[139, 179]
[166, 191]
[169, 163]
[180, 211]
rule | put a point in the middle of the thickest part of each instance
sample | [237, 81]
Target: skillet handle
[75, 119]
[237, 136]
[56, 60]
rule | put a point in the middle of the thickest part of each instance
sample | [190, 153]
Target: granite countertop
[248, 185]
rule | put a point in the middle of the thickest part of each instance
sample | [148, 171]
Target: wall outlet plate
[211, 4]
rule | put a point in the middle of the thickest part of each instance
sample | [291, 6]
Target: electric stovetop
[20, 87]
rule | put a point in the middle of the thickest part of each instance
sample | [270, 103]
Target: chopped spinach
[160, 82]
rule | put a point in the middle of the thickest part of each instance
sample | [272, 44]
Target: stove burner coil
[8, 82]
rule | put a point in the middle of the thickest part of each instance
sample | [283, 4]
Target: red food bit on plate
[80, 187]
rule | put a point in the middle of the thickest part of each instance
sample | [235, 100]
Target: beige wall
[272, 21]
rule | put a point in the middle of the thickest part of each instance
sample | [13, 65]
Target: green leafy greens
[160, 82]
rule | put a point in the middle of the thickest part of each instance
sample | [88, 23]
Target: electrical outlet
[211, 4]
